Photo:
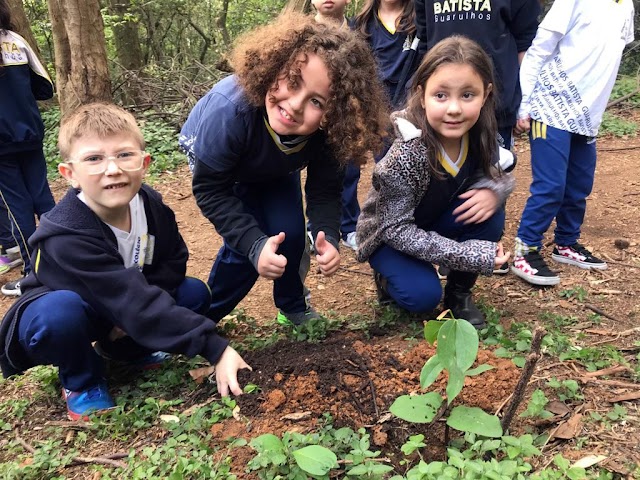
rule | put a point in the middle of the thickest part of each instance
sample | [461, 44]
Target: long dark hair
[5, 21]
[482, 136]
[404, 24]
[5, 17]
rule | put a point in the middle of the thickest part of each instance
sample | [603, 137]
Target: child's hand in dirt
[479, 206]
[227, 372]
[501, 256]
[271, 264]
[327, 255]
[523, 125]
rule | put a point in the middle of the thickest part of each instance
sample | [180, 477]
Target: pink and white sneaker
[578, 256]
[533, 269]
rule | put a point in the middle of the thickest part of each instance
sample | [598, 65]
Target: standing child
[331, 11]
[109, 267]
[304, 95]
[24, 190]
[566, 77]
[436, 196]
[389, 28]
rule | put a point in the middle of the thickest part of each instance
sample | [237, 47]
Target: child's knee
[422, 297]
[55, 319]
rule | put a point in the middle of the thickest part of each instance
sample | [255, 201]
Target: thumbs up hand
[270, 263]
[327, 255]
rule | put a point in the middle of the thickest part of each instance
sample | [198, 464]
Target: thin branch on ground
[527, 371]
[110, 460]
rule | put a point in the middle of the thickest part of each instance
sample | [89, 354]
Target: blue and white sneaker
[94, 400]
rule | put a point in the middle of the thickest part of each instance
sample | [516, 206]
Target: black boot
[457, 298]
[381, 290]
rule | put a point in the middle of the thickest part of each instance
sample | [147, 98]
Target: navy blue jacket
[74, 250]
[392, 51]
[23, 80]
[503, 28]
[228, 141]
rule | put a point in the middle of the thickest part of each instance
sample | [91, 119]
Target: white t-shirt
[568, 72]
[135, 246]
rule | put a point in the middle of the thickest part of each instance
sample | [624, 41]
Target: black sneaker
[533, 269]
[12, 289]
[578, 256]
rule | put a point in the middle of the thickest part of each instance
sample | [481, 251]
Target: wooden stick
[527, 371]
[109, 460]
[607, 371]
[602, 313]
[625, 397]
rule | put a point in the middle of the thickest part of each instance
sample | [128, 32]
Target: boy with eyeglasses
[108, 278]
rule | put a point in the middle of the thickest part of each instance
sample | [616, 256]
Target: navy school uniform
[23, 177]
[246, 181]
[79, 290]
[396, 65]
[503, 28]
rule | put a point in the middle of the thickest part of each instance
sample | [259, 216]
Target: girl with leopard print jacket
[438, 194]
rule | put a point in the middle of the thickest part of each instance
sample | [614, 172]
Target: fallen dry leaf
[199, 375]
[569, 429]
[589, 461]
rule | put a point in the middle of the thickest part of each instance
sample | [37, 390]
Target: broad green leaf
[416, 408]
[430, 371]
[478, 370]
[519, 361]
[315, 460]
[457, 344]
[474, 420]
[455, 383]
[268, 441]
[431, 330]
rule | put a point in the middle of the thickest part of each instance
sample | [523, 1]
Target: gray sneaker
[297, 318]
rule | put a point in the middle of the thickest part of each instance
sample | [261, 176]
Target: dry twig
[527, 371]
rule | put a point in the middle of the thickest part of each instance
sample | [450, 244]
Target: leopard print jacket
[398, 184]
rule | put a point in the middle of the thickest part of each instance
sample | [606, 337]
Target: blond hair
[101, 119]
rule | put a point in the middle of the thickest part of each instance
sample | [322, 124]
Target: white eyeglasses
[97, 163]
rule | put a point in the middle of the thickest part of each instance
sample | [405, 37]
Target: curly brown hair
[356, 115]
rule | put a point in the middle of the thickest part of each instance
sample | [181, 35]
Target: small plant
[566, 389]
[617, 126]
[579, 293]
[535, 407]
[456, 351]
[297, 456]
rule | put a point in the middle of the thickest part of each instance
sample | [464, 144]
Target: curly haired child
[304, 95]
[437, 195]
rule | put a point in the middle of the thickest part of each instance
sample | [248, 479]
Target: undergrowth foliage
[160, 136]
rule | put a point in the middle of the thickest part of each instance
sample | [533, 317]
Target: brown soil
[355, 378]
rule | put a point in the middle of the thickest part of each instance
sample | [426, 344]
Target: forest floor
[374, 355]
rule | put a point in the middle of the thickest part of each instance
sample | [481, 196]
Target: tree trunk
[221, 22]
[302, 6]
[126, 36]
[82, 73]
[21, 23]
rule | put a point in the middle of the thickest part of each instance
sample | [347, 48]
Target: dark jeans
[412, 283]
[25, 195]
[277, 206]
[59, 328]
